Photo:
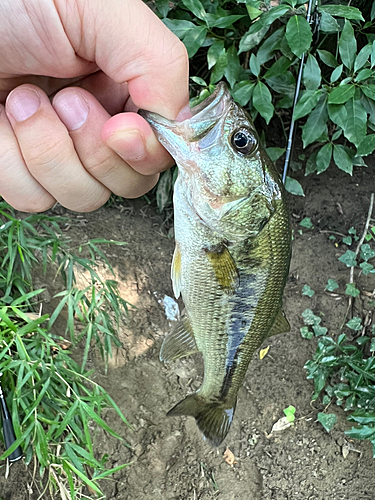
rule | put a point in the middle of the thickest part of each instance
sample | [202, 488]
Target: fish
[232, 252]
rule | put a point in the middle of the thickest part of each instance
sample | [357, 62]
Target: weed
[343, 369]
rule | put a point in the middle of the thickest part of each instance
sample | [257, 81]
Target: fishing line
[313, 20]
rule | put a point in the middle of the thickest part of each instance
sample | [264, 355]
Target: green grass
[53, 401]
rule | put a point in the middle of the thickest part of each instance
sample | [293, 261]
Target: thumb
[130, 44]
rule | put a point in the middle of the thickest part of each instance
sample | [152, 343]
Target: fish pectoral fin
[280, 325]
[179, 342]
[224, 266]
[213, 418]
[176, 271]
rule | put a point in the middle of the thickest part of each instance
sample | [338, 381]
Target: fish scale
[233, 244]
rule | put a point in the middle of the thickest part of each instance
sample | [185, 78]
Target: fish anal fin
[179, 342]
[224, 266]
[213, 418]
[176, 271]
[280, 325]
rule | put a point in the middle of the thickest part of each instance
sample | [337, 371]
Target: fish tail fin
[213, 418]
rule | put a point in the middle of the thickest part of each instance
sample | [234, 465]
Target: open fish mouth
[176, 136]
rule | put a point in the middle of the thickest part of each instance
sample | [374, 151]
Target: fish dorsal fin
[280, 325]
[176, 271]
[225, 268]
[179, 342]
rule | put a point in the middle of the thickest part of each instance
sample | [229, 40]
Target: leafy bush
[257, 48]
[52, 401]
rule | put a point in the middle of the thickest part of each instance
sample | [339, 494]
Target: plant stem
[360, 242]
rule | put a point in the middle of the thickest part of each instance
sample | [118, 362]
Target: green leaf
[194, 39]
[327, 420]
[355, 128]
[283, 84]
[331, 285]
[243, 91]
[234, 68]
[354, 324]
[196, 8]
[323, 158]
[253, 12]
[328, 58]
[364, 74]
[319, 330]
[275, 153]
[362, 57]
[366, 146]
[337, 113]
[254, 65]
[341, 94]
[366, 267]
[369, 90]
[352, 290]
[347, 240]
[342, 159]
[278, 67]
[225, 22]
[347, 45]
[309, 318]
[262, 101]
[273, 14]
[163, 190]
[348, 258]
[328, 24]
[315, 125]
[342, 11]
[306, 103]
[219, 69]
[163, 7]
[363, 432]
[179, 26]
[198, 80]
[306, 290]
[306, 222]
[305, 332]
[214, 53]
[289, 413]
[293, 187]
[311, 74]
[298, 35]
[270, 45]
[367, 252]
[252, 38]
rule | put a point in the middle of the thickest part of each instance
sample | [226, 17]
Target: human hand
[120, 57]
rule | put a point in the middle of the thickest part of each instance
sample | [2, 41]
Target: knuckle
[101, 164]
[47, 153]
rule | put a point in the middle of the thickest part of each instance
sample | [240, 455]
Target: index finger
[130, 44]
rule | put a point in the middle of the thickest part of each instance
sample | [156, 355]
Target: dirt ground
[169, 459]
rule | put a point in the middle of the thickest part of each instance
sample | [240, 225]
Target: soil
[169, 459]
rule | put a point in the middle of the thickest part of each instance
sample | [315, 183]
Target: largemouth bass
[233, 245]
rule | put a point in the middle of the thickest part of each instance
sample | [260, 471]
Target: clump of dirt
[169, 458]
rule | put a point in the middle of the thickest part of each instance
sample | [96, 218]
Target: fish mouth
[175, 136]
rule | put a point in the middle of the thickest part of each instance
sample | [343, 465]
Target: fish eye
[243, 141]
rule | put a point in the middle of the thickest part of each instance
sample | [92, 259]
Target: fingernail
[72, 109]
[22, 103]
[129, 144]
